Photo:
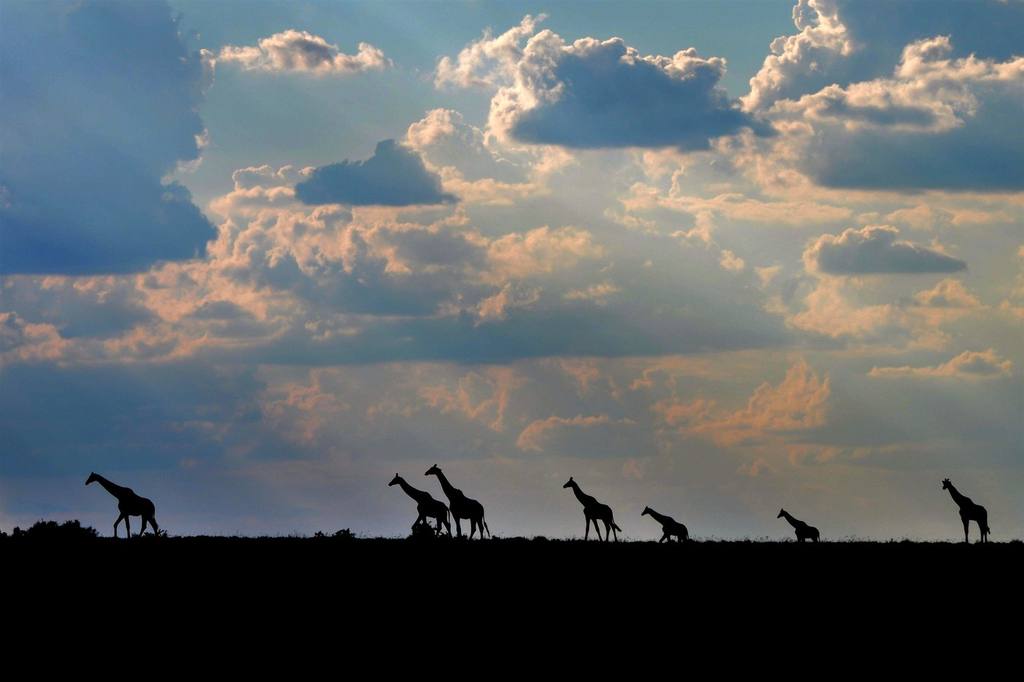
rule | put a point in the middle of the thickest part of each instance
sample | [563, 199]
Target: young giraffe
[426, 506]
[594, 511]
[669, 527]
[803, 531]
[968, 511]
[462, 507]
[129, 504]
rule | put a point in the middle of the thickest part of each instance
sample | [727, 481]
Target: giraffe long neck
[660, 518]
[415, 494]
[585, 500]
[447, 487]
[957, 496]
[112, 488]
[789, 517]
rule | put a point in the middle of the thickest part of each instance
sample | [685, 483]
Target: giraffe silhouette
[969, 511]
[669, 527]
[594, 511]
[803, 531]
[461, 506]
[129, 504]
[426, 506]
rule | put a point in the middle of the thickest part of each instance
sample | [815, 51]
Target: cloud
[485, 62]
[844, 41]
[949, 293]
[393, 176]
[938, 122]
[599, 94]
[81, 181]
[446, 140]
[798, 403]
[537, 434]
[294, 51]
[887, 97]
[968, 365]
[874, 250]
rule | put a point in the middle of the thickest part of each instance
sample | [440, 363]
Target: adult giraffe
[129, 504]
[803, 530]
[969, 511]
[461, 506]
[594, 511]
[426, 506]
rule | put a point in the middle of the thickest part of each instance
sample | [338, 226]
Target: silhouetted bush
[343, 534]
[69, 531]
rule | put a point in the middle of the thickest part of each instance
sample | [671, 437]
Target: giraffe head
[782, 512]
[647, 510]
[946, 484]
[433, 471]
[569, 483]
[395, 481]
[92, 477]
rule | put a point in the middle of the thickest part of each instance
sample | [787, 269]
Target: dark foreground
[515, 564]
[348, 597]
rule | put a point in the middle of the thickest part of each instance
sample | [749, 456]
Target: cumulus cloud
[888, 97]
[968, 365]
[81, 182]
[874, 250]
[939, 122]
[303, 52]
[393, 176]
[844, 41]
[489, 60]
[597, 94]
[594, 94]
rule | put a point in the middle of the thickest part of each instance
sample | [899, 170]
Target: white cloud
[293, 51]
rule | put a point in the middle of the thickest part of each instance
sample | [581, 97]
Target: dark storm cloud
[99, 103]
[875, 250]
[393, 176]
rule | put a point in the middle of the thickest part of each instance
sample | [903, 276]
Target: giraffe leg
[586, 535]
[127, 527]
[116, 523]
[664, 536]
[967, 524]
[143, 530]
[472, 528]
[458, 527]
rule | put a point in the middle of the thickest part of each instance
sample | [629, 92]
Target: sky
[715, 258]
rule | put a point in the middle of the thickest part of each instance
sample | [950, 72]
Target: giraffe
[968, 511]
[669, 527]
[462, 507]
[803, 531]
[594, 511]
[426, 506]
[129, 504]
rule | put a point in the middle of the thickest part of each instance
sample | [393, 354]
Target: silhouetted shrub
[69, 531]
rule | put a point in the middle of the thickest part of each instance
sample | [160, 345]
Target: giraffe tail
[483, 522]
